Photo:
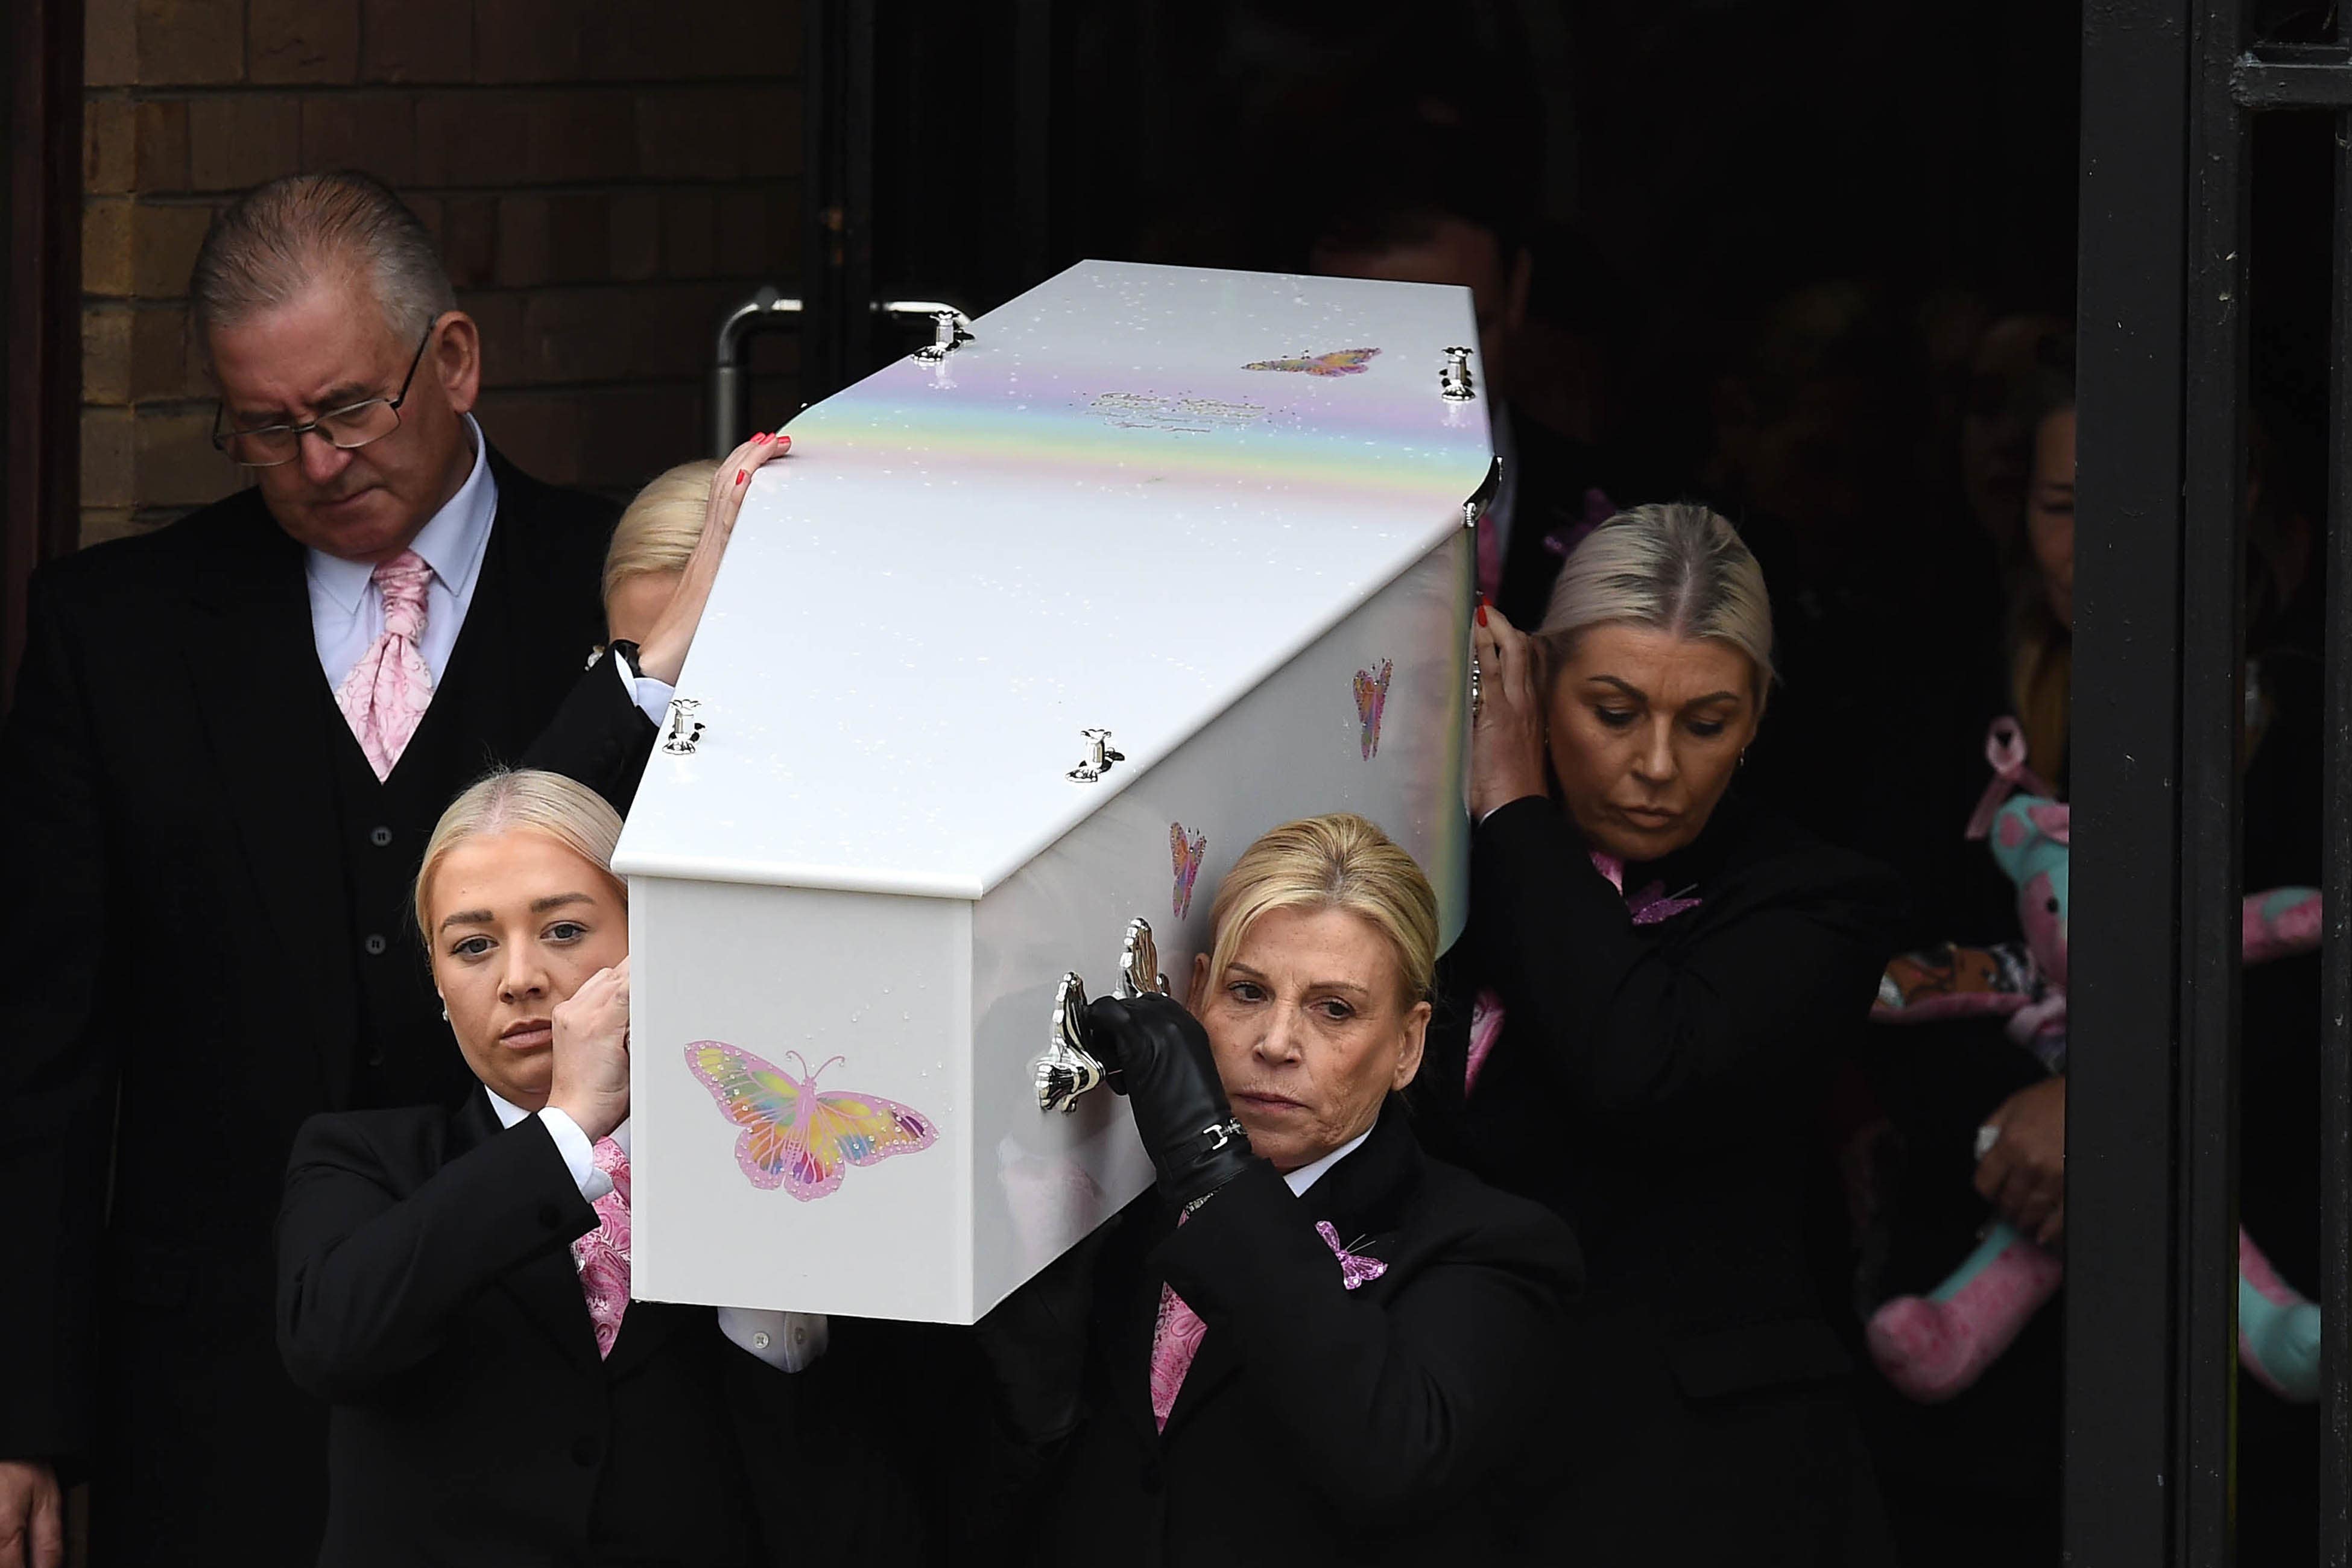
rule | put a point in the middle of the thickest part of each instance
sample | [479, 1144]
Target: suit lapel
[1126, 1320]
[547, 1287]
[271, 723]
[1361, 1196]
[548, 1290]
[646, 1326]
[537, 628]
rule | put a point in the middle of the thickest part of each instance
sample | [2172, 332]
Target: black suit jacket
[599, 737]
[426, 1289]
[179, 988]
[1660, 1087]
[1407, 1421]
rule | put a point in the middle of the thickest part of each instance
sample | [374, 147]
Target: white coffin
[1100, 512]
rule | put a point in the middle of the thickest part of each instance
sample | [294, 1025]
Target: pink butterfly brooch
[1371, 699]
[1353, 1270]
[1650, 906]
[794, 1137]
[1186, 852]
[1342, 361]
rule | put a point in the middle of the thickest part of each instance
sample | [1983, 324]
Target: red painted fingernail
[1482, 611]
[787, 441]
[740, 476]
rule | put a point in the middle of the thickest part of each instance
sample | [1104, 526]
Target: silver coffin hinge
[1098, 759]
[947, 336]
[680, 729]
[1454, 380]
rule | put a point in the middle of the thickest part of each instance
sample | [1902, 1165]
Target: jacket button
[379, 837]
[374, 944]
[375, 1058]
[587, 1450]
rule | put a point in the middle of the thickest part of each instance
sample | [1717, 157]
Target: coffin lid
[1092, 515]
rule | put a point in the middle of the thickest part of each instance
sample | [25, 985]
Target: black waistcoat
[406, 1054]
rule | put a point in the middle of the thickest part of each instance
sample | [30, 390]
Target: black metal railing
[2169, 90]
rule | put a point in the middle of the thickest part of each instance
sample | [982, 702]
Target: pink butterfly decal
[794, 1137]
[1353, 1270]
[1371, 698]
[1342, 361]
[1186, 853]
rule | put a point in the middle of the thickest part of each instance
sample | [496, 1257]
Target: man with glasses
[230, 740]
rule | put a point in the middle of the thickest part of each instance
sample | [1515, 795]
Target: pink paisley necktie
[386, 693]
[1177, 1337]
[603, 1255]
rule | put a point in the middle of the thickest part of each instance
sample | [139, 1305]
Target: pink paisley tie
[603, 1255]
[386, 693]
[1174, 1343]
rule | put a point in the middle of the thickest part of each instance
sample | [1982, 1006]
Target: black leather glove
[1157, 1055]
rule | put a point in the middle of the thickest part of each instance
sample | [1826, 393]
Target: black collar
[1364, 1195]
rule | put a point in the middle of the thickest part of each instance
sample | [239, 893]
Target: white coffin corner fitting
[1123, 504]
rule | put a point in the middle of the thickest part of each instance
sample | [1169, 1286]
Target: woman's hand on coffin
[1158, 1056]
[663, 654]
[1506, 741]
[2023, 1174]
[590, 1080]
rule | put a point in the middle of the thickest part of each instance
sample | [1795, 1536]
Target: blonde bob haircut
[661, 527]
[1342, 862]
[522, 800]
[1676, 568]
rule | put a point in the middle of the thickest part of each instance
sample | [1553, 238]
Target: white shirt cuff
[579, 1154]
[652, 697]
[789, 1342]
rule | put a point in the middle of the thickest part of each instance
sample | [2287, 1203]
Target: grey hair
[1677, 568]
[269, 245]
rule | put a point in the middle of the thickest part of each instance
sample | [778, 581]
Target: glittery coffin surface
[1091, 515]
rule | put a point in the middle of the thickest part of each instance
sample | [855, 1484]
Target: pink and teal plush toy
[1932, 1347]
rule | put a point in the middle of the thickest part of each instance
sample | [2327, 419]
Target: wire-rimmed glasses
[348, 428]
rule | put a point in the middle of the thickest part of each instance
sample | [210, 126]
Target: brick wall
[605, 177]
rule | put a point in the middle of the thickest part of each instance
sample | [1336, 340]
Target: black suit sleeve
[1623, 1025]
[57, 1061]
[598, 736]
[368, 1281]
[1396, 1407]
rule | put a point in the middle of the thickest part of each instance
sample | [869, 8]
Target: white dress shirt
[347, 607]
[1306, 1176]
[789, 1342]
[652, 697]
